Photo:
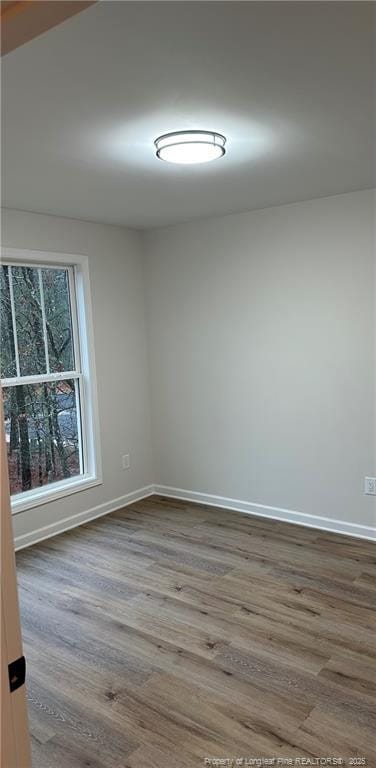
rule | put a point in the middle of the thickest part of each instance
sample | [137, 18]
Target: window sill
[21, 502]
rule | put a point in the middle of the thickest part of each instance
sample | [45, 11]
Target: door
[15, 740]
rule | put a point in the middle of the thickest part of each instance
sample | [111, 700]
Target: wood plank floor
[168, 633]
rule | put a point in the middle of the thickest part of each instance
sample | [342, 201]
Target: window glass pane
[42, 435]
[7, 351]
[30, 336]
[58, 319]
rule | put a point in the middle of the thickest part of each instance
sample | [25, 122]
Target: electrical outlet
[126, 461]
[370, 486]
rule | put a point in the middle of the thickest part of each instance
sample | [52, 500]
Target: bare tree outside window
[40, 376]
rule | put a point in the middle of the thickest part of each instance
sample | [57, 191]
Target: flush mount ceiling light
[189, 147]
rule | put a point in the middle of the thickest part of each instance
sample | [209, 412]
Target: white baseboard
[20, 542]
[273, 513]
[249, 508]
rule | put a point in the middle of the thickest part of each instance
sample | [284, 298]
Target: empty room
[188, 384]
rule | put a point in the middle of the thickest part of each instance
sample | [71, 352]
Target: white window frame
[83, 342]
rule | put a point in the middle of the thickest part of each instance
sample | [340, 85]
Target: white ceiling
[289, 83]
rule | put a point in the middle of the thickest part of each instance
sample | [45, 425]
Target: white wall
[261, 331]
[115, 265]
[262, 353]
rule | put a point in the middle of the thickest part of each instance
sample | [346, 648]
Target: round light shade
[189, 147]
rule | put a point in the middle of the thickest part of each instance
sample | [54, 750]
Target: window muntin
[41, 376]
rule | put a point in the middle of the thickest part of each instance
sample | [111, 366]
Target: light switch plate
[126, 461]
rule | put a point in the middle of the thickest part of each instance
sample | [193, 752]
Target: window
[47, 377]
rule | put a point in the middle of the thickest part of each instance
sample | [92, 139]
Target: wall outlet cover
[370, 486]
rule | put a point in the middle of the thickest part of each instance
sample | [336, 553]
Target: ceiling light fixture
[189, 147]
